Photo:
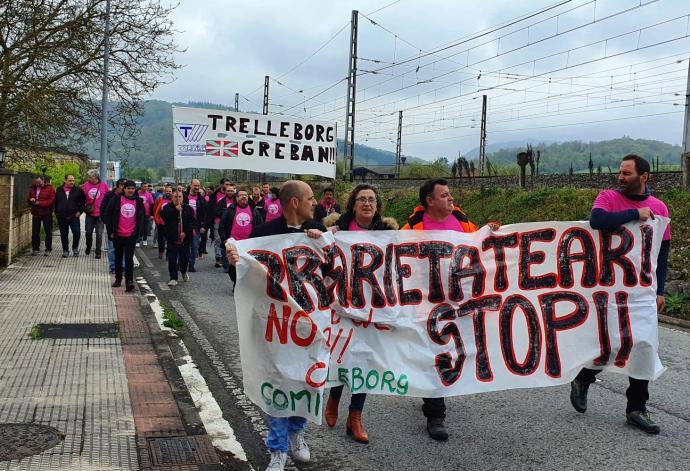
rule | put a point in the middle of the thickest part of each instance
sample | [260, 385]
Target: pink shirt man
[128, 217]
[613, 201]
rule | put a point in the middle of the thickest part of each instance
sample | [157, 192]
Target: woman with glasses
[363, 213]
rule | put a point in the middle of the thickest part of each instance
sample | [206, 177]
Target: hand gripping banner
[440, 313]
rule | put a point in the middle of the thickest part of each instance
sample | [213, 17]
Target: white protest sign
[222, 139]
[441, 313]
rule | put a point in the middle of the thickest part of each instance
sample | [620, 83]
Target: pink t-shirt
[128, 217]
[613, 201]
[94, 195]
[353, 226]
[192, 202]
[450, 224]
[273, 210]
[242, 225]
[147, 198]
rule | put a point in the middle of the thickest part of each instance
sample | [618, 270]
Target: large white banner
[222, 139]
[440, 313]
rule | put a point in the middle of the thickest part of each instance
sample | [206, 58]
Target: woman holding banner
[363, 213]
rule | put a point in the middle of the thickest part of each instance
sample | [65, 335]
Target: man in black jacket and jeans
[69, 206]
[119, 186]
[297, 200]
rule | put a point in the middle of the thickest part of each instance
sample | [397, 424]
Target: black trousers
[94, 223]
[124, 252]
[160, 233]
[637, 392]
[434, 407]
[178, 259]
[47, 222]
[65, 226]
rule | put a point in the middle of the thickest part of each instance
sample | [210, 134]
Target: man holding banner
[438, 212]
[613, 208]
[297, 199]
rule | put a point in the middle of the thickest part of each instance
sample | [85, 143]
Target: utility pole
[104, 100]
[685, 159]
[237, 101]
[266, 95]
[398, 146]
[482, 139]
[349, 154]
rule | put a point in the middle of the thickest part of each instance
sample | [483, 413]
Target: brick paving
[109, 396]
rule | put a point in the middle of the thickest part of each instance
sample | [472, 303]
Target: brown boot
[355, 428]
[331, 412]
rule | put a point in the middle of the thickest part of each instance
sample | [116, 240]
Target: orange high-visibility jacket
[416, 220]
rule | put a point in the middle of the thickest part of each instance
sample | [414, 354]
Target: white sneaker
[172, 283]
[298, 446]
[145, 243]
[278, 459]
[185, 277]
[138, 244]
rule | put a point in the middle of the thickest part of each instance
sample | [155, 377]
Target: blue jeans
[193, 250]
[278, 428]
[111, 254]
[65, 226]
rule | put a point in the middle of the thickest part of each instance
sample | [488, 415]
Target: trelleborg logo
[191, 132]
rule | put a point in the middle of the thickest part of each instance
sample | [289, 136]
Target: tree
[51, 62]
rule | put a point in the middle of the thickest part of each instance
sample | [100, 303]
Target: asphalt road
[517, 429]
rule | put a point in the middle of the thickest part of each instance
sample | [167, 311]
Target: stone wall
[15, 229]
[662, 181]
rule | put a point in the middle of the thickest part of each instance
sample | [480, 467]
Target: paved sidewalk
[107, 391]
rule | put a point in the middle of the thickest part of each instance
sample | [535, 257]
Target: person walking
[327, 205]
[213, 220]
[222, 206]
[363, 213]
[124, 219]
[198, 204]
[147, 198]
[41, 199]
[158, 206]
[178, 227]
[94, 190]
[273, 207]
[69, 206]
[287, 433]
[631, 201]
[238, 221]
[437, 211]
[117, 190]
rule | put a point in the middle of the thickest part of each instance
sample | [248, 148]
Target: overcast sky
[584, 61]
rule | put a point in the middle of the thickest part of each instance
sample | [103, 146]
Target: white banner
[442, 313]
[222, 139]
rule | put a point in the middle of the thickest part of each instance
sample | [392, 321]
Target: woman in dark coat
[363, 214]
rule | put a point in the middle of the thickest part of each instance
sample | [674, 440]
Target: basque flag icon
[220, 148]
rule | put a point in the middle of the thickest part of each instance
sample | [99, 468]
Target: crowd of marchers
[184, 220]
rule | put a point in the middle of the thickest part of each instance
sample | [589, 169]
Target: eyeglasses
[364, 199]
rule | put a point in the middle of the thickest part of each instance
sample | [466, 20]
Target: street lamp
[3, 153]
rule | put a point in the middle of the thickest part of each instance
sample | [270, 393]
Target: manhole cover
[78, 331]
[182, 450]
[21, 440]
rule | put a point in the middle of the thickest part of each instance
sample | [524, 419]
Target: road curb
[674, 321]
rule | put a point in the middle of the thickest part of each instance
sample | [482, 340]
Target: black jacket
[279, 226]
[67, 208]
[211, 208]
[200, 219]
[377, 224]
[171, 219]
[222, 206]
[225, 227]
[112, 215]
[260, 205]
[104, 204]
[320, 212]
